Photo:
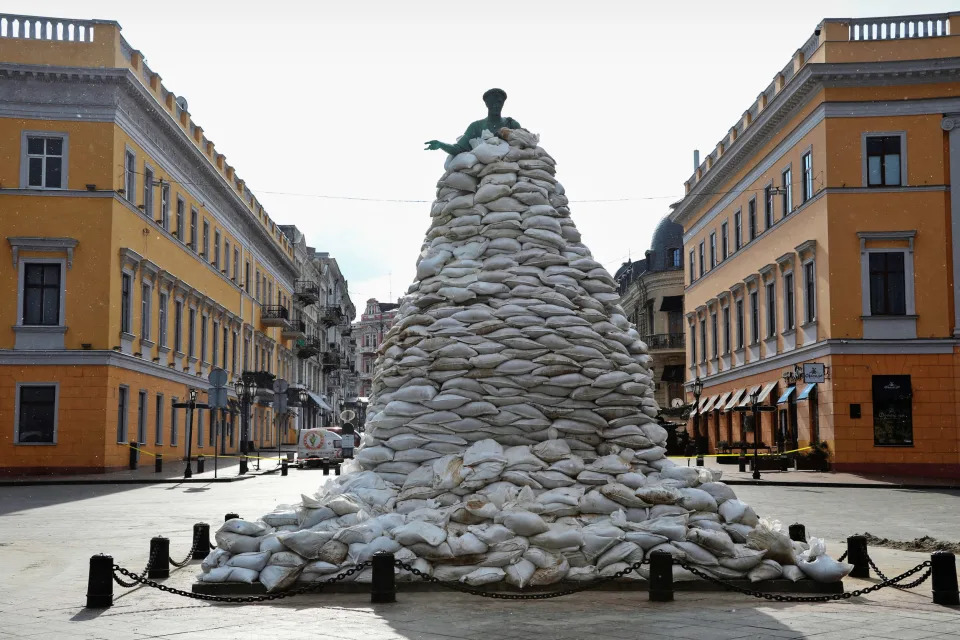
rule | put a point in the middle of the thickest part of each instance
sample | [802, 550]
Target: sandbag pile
[511, 436]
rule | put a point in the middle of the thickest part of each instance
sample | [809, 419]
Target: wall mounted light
[91, 187]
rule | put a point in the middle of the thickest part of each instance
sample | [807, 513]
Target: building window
[714, 335]
[216, 249]
[41, 294]
[162, 319]
[181, 208]
[703, 340]
[36, 414]
[193, 228]
[723, 241]
[270, 293]
[693, 267]
[702, 267]
[675, 258]
[200, 415]
[752, 218]
[123, 394]
[203, 338]
[226, 337]
[713, 249]
[789, 320]
[130, 176]
[178, 326]
[216, 342]
[246, 277]
[693, 344]
[807, 161]
[226, 257]
[771, 291]
[887, 284]
[158, 419]
[726, 330]
[164, 205]
[148, 191]
[191, 333]
[737, 231]
[126, 283]
[740, 323]
[206, 240]
[142, 417]
[883, 161]
[44, 162]
[174, 425]
[246, 353]
[767, 207]
[257, 295]
[786, 179]
[233, 354]
[809, 292]
[145, 312]
[892, 411]
[236, 262]
[754, 317]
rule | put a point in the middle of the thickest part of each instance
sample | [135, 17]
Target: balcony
[665, 341]
[367, 350]
[330, 316]
[308, 346]
[275, 315]
[330, 359]
[307, 292]
[295, 330]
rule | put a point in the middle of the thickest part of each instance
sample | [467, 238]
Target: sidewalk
[732, 476]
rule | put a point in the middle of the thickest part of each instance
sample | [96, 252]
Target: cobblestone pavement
[47, 535]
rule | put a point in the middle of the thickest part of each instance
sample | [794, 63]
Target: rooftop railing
[899, 27]
[41, 28]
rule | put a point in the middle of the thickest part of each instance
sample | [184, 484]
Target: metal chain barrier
[843, 557]
[238, 599]
[186, 560]
[846, 595]
[875, 568]
[136, 578]
[903, 587]
[456, 586]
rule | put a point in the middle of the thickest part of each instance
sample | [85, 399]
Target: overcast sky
[336, 98]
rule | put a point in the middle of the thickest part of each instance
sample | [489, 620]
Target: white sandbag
[766, 570]
[520, 573]
[717, 542]
[483, 575]
[551, 450]
[632, 479]
[776, 545]
[558, 537]
[524, 523]
[596, 502]
[309, 517]
[658, 495]
[417, 532]
[281, 515]
[236, 543]
[216, 558]
[344, 504]
[278, 578]
[697, 500]
[588, 573]
[737, 511]
[370, 456]
[306, 543]
[618, 553]
[253, 560]
[375, 546]
[719, 491]
[823, 568]
[333, 552]
[550, 573]
[229, 574]
[244, 527]
[320, 567]
[491, 534]
[466, 544]
[696, 554]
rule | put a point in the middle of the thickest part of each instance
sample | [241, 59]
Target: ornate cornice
[42, 244]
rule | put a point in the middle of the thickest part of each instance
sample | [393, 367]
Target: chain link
[237, 599]
[187, 559]
[875, 568]
[843, 557]
[456, 586]
[846, 595]
[136, 578]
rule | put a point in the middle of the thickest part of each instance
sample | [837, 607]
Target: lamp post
[697, 390]
[188, 472]
[755, 410]
[246, 391]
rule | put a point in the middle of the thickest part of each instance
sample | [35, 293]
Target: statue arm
[460, 146]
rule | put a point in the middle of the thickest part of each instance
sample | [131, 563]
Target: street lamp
[188, 472]
[697, 390]
[246, 391]
[755, 406]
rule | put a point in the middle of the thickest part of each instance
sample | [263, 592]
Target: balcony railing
[295, 329]
[307, 292]
[900, 27]
[274, 315]
[50, 29]
[308, 347]
[331, 316]
[665, 341]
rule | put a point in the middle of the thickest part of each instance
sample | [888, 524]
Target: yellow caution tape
[737, 455]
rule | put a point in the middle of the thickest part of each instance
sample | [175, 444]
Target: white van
[319, 448]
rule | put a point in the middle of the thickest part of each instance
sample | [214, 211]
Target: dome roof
[667, 235]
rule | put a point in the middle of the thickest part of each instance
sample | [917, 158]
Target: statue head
[494, 98]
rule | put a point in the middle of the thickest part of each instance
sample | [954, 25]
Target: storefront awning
[748, 396]
[671, 303]
[766, 391]
[699, 407]
[721, 401]
[709, 404]
[803, 395]
[785, 397]
[319, 401]
[672, 373]
[734, 399]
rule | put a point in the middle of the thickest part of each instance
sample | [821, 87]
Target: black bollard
[200, 462]
[661, 577]
[289, 456]
[944, 577]
[158, 463]
[798, 532]
[857, 556]
[742, 464]
[243, 463]
[133, 454]
[100, 582]
[699, 461]
[383, 586]
[160, 553]
[326, 469]
[283, 467]
[201, 540]
[230, 516]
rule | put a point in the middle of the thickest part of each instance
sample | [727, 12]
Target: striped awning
[721, 401]
[709, 404]
[748, 396]
[803, 395]
[699, 407]
[766, 391]
[734, 399]
[785, 397]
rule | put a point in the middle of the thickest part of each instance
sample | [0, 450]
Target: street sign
[280, 386]
[813, 372]
[217, 397]
[217, 377]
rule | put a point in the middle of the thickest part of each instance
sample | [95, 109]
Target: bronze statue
[494, 99]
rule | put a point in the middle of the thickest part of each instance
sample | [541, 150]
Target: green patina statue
[494, 99]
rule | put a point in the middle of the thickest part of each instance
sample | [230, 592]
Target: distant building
[651, 293]
[374, 323]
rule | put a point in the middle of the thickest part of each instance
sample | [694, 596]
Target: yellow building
[134, 260]
[821, 229]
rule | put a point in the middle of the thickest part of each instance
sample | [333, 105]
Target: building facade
[821, 231]
[135, 258]
[651, 292]
[375, 321]
[339, 381]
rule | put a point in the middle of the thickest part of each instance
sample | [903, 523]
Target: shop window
[892, 411]
[36, 421]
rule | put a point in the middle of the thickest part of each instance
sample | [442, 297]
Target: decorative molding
[808, 246]
[766, 271]
[751, 282]
[130, 258]
[786, 261]
[867, 236]
[43, 245]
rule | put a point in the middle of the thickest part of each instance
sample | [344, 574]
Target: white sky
[336, 97]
